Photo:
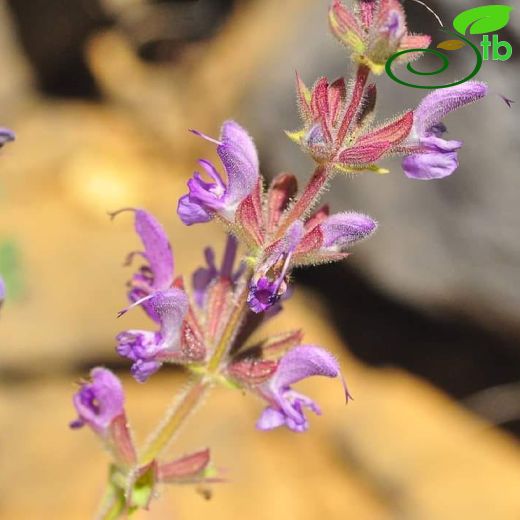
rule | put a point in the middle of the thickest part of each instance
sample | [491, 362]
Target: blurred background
[424, 316]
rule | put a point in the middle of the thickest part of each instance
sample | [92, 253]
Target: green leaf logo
[482, 20]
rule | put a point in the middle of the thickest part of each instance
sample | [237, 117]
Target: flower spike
[238, 155]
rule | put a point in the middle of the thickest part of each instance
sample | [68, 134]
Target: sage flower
[328, 237]
[149, 349]
[99, 402]
[238, 155]
[286, 406]
[269, 284]
[432, 156]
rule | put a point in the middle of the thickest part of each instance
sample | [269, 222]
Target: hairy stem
[174, 420]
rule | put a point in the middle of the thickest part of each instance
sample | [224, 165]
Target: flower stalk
[174, 419]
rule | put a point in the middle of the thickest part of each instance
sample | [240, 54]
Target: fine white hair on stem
[438, 18]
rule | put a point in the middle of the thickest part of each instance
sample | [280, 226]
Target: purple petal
[239, 157]
[6, 136]
[191, 213]
[232, 133]
[344, 229]
[304, 361]
[263, 294]
[228, 260]
[268, 283]
[432, 165]
[171, 306]
[144, 347]
[2, 291]
[142, 370]
[100, 401]
[137, 344]
[270, 419]
[157, 248]
[203, 276]
[437, 144]
[436, 105]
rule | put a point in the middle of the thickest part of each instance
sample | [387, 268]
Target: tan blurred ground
[400, 450]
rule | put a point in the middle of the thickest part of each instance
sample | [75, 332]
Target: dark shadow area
[457, 355]
[54, 33]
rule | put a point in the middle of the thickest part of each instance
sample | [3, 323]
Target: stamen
[114, 214]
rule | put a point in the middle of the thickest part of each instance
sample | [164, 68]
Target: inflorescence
[205, 325]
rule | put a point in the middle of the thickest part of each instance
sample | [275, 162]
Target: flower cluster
[374, 31]
[205, 325]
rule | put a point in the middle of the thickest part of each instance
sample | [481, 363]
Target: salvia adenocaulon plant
[206, 326]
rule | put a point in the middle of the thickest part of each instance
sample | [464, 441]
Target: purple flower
[99, 402]
[240, 160]
[6, 136]
[204, 276]
[285, 405]
[157, 274]
[342, 230]
[147, 349]
[269, 281]
[432, 156]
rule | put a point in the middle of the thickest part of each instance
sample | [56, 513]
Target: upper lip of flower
[159, 273]
[170, 308]
[429, 156]
[285, 405]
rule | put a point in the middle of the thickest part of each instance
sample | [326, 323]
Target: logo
[483, 21]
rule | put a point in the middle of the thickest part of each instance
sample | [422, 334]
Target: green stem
[174, 420]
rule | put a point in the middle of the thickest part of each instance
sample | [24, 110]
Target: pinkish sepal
[120, 441]
[189, 469]
[249, 216]
[281, 192]
[251, 371]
